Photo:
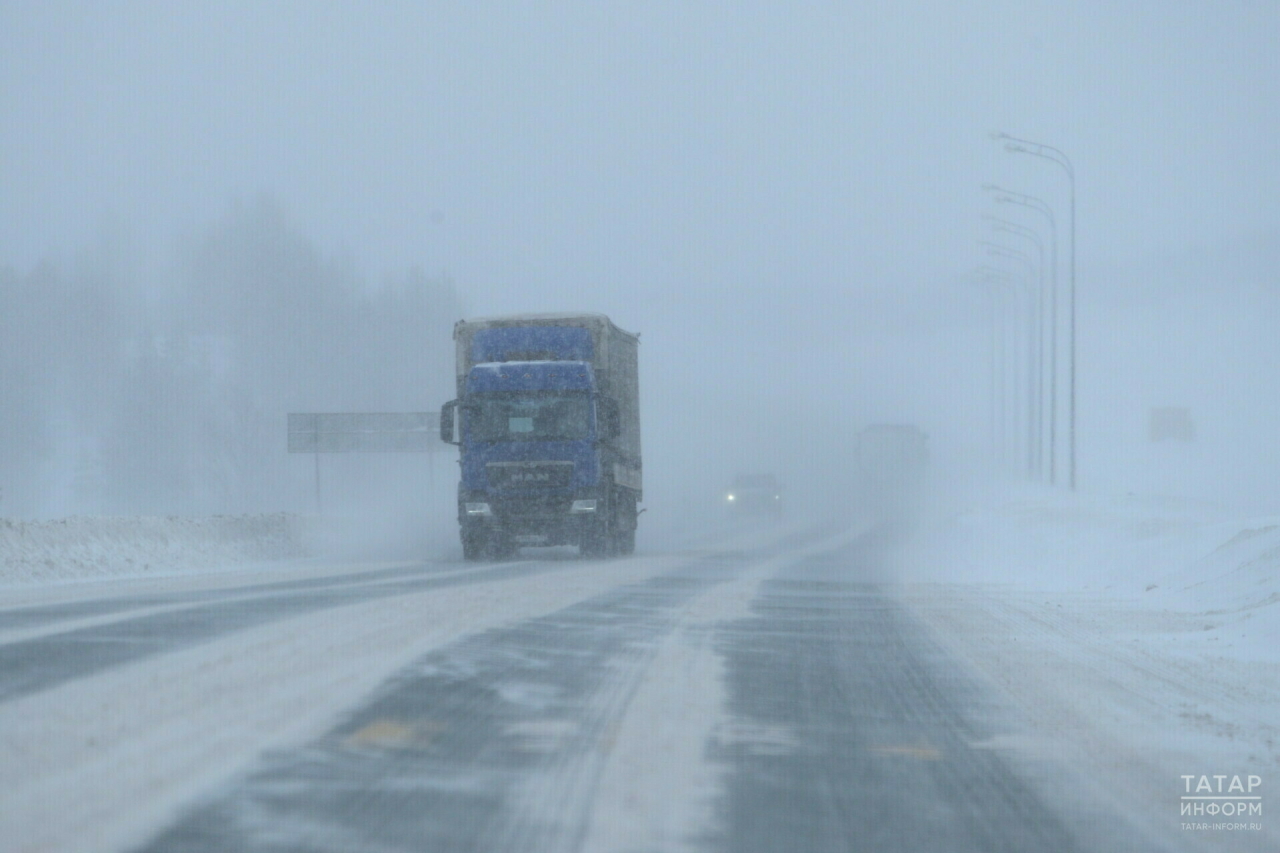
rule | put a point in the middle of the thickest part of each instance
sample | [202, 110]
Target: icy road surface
[777, 692]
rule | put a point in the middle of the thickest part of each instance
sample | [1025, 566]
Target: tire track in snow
[862, 732]
[505, 741]
[43, 662]
[114, 756]
[430, 761]
[45, 618]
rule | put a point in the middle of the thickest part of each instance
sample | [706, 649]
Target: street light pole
[998, 224]
[994, 277]
[1010, 197]
[1056, 155]
[1029, 290]
[991, 278]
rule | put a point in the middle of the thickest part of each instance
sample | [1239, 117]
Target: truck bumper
[563, 520]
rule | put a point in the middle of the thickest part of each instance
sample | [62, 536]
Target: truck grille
[512, 507]
[529, 475]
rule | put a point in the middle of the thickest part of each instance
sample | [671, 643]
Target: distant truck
[547, 421]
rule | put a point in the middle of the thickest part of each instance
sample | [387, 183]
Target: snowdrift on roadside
[86, 548]
[1155, 554]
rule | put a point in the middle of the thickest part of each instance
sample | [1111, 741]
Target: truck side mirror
[448, 415]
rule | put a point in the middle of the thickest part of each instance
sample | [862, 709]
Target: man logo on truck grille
[520, 474]
[530, 477]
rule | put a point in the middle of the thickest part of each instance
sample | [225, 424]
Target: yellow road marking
[395, 734]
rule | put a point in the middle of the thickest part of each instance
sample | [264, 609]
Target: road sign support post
[365, 432]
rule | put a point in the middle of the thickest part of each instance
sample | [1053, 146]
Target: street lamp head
[1014, 147]
[998, 134]
[990, 188]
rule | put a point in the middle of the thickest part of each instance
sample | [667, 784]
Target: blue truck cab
[547, 423]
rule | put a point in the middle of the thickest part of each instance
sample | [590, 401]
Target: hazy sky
[677, 144]
[766, 168]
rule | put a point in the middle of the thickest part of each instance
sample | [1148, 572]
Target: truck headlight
[588, 505]
[478, 509]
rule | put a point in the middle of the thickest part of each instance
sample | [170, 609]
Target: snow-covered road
[785, 688]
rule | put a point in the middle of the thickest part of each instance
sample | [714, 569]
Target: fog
[212, 217]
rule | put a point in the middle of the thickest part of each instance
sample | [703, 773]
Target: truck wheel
[473, 548]
[624, 538]
[593, 546]
[625, 542]
[596, 542]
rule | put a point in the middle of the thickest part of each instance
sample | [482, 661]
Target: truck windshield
[548, 416]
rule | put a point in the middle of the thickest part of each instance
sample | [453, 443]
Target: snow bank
[1152, 554]
[1139, 636]
[84, 548]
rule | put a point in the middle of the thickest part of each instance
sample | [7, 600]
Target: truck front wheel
[596, 541]
[625, 541]
[624, 523]
[473, 547]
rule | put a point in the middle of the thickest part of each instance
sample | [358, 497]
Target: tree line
[116, 398]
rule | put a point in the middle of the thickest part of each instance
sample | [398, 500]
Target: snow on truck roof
[554, 315]
[543, 319]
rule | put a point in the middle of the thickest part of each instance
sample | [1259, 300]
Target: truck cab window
[531, 417]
